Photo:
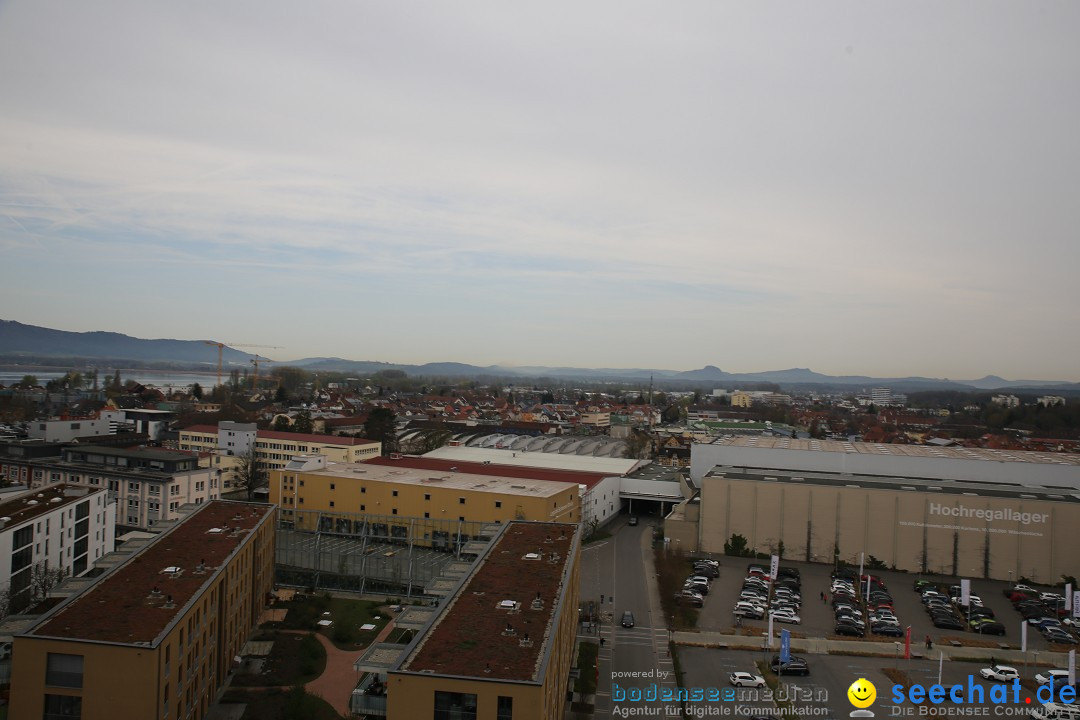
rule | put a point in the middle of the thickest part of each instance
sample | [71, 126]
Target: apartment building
[63, 529]
[312, 483]
[154, 638]
[273, 449]
[68, 429]
[17, 456]
[148, 485]
[526, 629]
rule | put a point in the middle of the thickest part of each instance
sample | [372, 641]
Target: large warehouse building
[951, 511]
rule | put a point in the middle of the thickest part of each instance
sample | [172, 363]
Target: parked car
[1056, 711]
[786, 616]
[989, 627]
[887, 629]
[689, 597]
[848, 628]
[921, 585]
[628, 619]
[795, 666]
[745, 679]
[1001, 673]
[633, 520]
[1054, 635]
[948, 623]
[1048, 676]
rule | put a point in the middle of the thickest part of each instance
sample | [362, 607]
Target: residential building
[1051, 400]
[311, 482]
[17, 457]
[273, 449]
[595, 419]
[740, 399]
[156, 636]
[500, 646]
[1009, 401]
[148, 485]
[62, 529]
[68, 429]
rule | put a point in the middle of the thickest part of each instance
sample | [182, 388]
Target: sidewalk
[336, 684]
[822, 646]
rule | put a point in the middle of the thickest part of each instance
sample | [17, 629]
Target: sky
[879, 188]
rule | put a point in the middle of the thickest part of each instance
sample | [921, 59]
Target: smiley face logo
[862, 693]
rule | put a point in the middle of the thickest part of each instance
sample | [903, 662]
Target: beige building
[740, 400]
[315, 484]
[225, 442]
[501, 646]
[154, 638]
[941, 526]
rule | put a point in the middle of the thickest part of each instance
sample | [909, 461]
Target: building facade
[178, 612]
[49, 535]
[314, 484]
[273, 450]
[148, 485]
[68, 430]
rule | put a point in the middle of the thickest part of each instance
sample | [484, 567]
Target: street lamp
[897, 663]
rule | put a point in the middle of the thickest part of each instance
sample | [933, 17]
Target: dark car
[628, 619]
[795, 666]
[921, 585]
[948, 623]
[848, 628]
[887, 629]
[633, 520]
[989, 628]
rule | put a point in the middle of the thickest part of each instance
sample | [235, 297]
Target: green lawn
[346, 613]
[276, 704]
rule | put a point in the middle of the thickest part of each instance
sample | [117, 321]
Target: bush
[311, 655]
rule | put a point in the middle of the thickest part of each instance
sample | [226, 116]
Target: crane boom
[221, 348]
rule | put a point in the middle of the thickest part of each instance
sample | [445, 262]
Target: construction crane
[221, 347]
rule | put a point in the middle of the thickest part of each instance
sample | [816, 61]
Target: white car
[1048, 676]
[1001, 673]
[743, 679]
[786, 616]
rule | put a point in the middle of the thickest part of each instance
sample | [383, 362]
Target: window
[395, 493]
[62, 670]
[505, 709]
[133, 487]
[363, 508]
[455, 706]
[427, 514]
[62, 707]
[363, 489]
[498, 503]
[427, 496]
[393, 511]
[331, 503]
[461, 518]
[332, 486]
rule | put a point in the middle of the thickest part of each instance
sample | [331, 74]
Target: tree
[737, 546]
[249, 473]
[302, 423]
[281, 395]
[282, 424]
[43, 579]
[547, 398]
[671, 414]
[381, 425]
[28, 381]
[196, 391]
[638, 445]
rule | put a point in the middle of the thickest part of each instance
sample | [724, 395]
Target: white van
[1056, 711]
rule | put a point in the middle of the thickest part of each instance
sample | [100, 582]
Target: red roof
[514, 471]
[278, 435]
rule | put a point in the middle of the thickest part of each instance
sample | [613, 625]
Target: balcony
[369, 697]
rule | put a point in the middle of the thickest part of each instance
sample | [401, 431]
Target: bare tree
[43, 579]
[250, 474]
[5, 602]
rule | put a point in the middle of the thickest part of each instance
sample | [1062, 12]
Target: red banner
[907, 643]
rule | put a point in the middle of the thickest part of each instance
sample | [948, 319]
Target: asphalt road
[634, 659]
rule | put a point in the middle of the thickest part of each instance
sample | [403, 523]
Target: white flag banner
[770, 630]
[1068, 598]
[1023, 636]
[1072, 667]
[774, 566]
[965, 592]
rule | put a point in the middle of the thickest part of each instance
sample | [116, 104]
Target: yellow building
[154, 638]
[273, 449]
[312, 483]
[501, 646]
[740, 399]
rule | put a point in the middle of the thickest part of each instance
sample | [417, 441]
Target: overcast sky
[883, 188]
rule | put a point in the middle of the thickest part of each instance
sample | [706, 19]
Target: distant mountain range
[20, 343]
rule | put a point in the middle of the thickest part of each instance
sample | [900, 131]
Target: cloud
[769, 185]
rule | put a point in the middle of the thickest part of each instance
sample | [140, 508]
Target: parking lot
[823, 693]
[818, 619]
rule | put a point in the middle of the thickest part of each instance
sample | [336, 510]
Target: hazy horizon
[860, 189]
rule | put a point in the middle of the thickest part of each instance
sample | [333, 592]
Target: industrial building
[956, 511]
[156, 636]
